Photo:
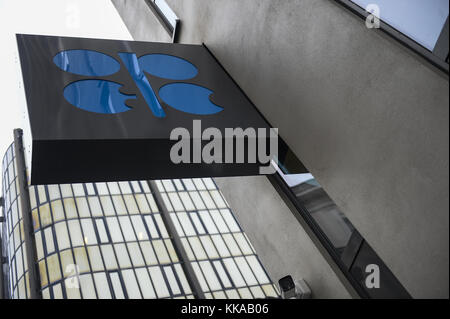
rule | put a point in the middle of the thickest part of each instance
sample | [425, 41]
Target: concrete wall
[365, 115]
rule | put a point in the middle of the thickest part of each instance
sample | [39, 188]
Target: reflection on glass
[321, 207]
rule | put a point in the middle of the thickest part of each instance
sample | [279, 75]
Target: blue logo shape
[97, 96]
[189, 98]
[131, 63]
[167, 66]
[102, 96]
[86, 62]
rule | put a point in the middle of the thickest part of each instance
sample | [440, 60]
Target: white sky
[76, 18]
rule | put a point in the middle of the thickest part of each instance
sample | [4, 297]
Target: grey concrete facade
[366, 116]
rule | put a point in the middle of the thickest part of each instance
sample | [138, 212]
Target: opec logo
[103, 96]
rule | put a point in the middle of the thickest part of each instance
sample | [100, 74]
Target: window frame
[437, 57]
[171, 29]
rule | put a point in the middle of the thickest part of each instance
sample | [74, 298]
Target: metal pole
[33, 272]
[178, 245]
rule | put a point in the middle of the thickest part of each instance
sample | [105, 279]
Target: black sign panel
[103, 110]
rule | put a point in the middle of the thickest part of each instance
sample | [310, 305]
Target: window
[166, 16]
[420, 25]
[351, 253]
[103, 240]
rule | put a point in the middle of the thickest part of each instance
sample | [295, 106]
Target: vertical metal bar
[178, 245]
[30, 242]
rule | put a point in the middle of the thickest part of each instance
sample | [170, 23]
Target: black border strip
[2, 289]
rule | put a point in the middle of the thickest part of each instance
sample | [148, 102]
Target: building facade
[364, 111]
[110, 240]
